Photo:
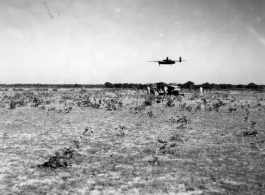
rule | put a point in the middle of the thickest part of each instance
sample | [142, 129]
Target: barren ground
[191, 147]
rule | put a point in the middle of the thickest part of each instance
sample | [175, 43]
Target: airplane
[168, 61]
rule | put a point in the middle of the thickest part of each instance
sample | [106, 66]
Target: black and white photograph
[133, 97]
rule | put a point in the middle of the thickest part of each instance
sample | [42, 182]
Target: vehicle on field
[173, 90]
[165, 89]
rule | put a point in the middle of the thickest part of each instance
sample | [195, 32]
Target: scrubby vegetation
[120, 141]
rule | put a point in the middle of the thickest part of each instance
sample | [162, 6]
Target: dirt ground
[126, 142]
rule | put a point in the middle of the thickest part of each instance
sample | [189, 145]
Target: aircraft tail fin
[180, 59]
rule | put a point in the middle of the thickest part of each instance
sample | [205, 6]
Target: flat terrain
[126, 142]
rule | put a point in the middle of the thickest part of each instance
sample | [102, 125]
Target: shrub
[12, 105]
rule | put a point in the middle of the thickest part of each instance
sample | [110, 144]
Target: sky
[98, 41]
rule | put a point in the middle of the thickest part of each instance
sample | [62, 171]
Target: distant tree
[206, 86]
[141, 86]
[130, 85]
[161, 83]
[225, 86]
[252, 86]
[216, 86]
[188, 85]
[125, 85]
[108, 85]
[117, 85]
[240, 86]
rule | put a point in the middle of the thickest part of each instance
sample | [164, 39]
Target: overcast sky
[95, 41]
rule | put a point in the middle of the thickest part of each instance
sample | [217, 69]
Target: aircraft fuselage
[167, 62]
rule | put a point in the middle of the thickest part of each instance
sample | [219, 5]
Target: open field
[126, 142]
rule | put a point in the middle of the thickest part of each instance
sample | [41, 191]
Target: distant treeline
[187, 85]
[190, 85]
[53, 85]
[125, 85]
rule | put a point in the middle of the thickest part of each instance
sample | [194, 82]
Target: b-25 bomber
[168, 61]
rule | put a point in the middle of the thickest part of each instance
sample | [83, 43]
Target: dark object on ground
[60, 160]
[250, 133]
